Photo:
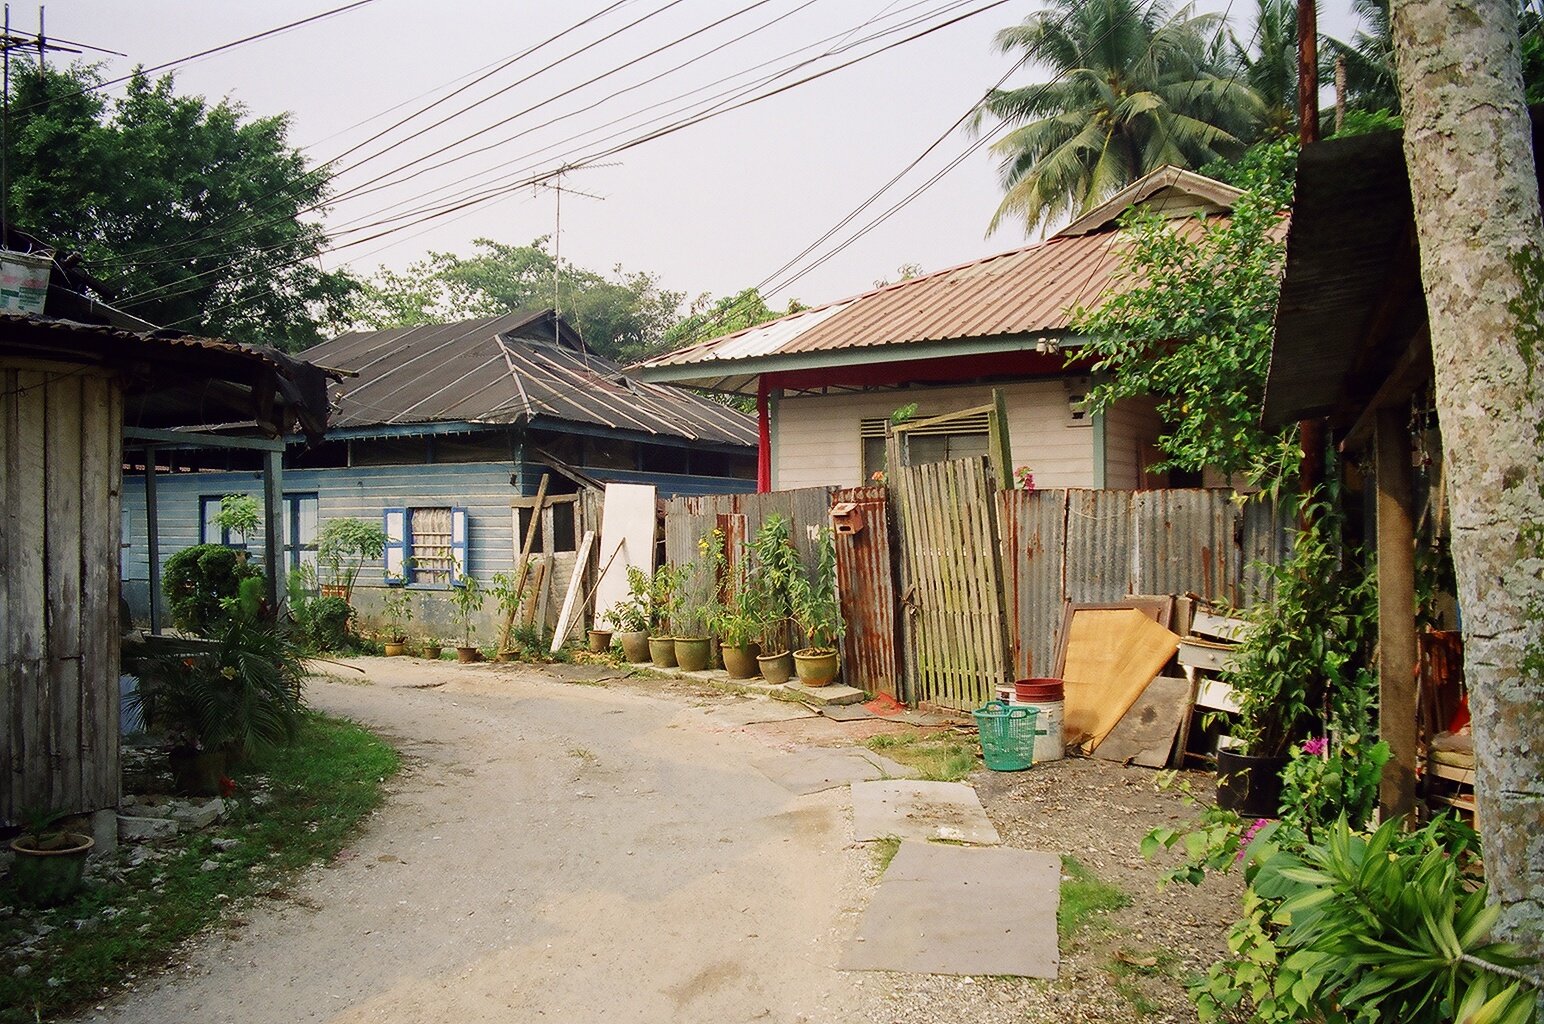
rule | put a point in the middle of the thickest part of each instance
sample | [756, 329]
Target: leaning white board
[627, 518]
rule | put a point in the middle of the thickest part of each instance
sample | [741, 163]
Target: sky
[714, 207]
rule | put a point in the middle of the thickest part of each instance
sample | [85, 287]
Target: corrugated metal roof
[1025, 291]
[506, 370]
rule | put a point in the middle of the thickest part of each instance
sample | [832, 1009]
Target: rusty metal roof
[508, 370]
[1032, 290]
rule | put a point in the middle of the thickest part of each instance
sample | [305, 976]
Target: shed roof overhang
[1350, 333]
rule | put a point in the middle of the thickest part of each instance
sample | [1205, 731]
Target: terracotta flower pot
[740, 662]
[395, 650]
[662, 651]
[693, 652]
[600, 641]
[635, 645]
[775, 668]
[816, 667]
[468, 654]
[47, 875]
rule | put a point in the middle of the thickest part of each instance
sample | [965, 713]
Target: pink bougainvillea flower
[1316, 746]
[1248, 836]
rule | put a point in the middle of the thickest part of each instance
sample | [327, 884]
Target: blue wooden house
[442, 433]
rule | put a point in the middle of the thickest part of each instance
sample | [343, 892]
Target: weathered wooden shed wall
[62, 429]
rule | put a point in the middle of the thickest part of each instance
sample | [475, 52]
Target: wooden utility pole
[1311, 433]
[1468, 144]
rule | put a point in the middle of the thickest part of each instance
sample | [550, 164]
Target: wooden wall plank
[63, 450]
[101, 483]
[10, 704]
[26, 616]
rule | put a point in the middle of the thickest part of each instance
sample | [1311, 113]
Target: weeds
[938, 756]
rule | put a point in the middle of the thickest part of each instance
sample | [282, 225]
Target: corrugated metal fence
[1099, 546]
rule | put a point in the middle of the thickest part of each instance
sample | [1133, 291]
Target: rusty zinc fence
[1103, 545]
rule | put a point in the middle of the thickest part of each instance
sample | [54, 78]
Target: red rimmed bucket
[1038, 691]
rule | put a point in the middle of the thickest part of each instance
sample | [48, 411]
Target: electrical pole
[1311, 432]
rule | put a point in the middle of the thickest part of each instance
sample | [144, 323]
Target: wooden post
[152, 541]
[1000, 449]
[524, 567]
[273, 528]
[1397, 689]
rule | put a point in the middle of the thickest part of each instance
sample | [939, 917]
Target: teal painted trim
[1101, 474]
[190, 439]
[385, 430]
[705, 373]
[774, 406]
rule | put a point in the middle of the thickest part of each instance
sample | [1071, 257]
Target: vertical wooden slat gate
[954, 598]
[866, 583]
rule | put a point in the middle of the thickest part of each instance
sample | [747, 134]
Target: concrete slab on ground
[752, 710]
[847, 712]
[819, 696]
[908, 809]
[813, 770]
[954, 910]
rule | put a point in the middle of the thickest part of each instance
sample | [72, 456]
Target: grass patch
[318, 789]
[1084, 899]
[884, 852]
[1127, 968]
[938, 756]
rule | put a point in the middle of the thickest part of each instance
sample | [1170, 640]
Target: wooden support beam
[153, 541]
[1397, 656]
[192, 439]
[273, 528]
[524, 568]
[1000, 451]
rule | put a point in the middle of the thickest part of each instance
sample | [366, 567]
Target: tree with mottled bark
[1469, 148]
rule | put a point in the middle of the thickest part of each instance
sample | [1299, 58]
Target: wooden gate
[953, 584]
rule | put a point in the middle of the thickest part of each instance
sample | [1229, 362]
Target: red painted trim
[763, 438]
[957, 369]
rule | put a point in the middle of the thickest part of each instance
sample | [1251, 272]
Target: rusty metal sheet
[1099, 546]
[1182, 541]
[1267, 538]
[865, 574]
[1034, 541]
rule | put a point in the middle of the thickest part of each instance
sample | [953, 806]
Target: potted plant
[342, 547]
[468, 597]
[777, 566]
[432, 648]
[236, 690]
[509, 600]
[739, 621]
[50, 862]
[695, 600]
[666, 596]
[399, 612]
[629, 618]
[1304, 653]
[818, 614]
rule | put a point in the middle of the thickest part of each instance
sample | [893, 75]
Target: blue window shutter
[458, 546]
[395, 525]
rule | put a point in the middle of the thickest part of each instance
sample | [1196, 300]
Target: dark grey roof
[510, 370]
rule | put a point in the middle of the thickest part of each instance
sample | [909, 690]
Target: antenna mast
[554, 181]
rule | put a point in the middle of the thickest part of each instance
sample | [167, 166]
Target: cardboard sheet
[1112, 654]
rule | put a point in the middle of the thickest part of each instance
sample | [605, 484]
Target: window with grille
[426, 546]
[429, 549]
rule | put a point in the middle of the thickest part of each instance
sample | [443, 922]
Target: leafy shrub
[199, 579]
[322, 624]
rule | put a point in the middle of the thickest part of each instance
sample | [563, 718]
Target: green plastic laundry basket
[1007, 736]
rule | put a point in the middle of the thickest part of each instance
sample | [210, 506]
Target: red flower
[227, 786]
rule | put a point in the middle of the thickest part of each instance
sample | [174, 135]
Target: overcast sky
[714, 207]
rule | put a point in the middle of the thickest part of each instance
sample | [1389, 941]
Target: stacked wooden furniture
[1205, 652]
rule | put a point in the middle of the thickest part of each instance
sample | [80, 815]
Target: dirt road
[554, 852]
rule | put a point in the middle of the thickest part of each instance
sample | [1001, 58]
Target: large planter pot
[693, 652]
[600, 641]
[815, 667]
[740, 662]
[432, 651]
[197, 772]
[467, 654]
[775, 668]
[635, 645]
[1249, 785]
[662, 651]
[395, 649]
[46, 875]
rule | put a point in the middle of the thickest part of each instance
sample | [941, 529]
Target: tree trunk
[1469, 148]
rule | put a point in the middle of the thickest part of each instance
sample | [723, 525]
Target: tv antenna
[554, 182]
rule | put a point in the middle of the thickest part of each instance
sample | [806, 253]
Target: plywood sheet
[953, 910]
[1112, 654]
[1145, 734]
[627, 519]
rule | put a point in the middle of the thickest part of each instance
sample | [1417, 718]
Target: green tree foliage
[1133, 88]
[189, 213]
[623, 315]
[712, 318]
[1193, 327]
[1268, 64]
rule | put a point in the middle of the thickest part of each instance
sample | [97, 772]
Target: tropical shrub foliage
[198, 580]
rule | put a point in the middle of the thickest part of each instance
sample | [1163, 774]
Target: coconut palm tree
[1134, 87]
[1369, 58]
[1268, 63]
